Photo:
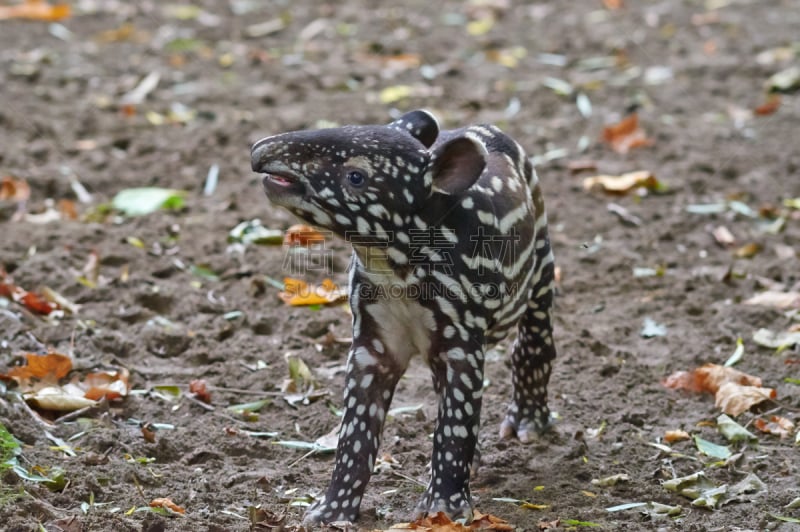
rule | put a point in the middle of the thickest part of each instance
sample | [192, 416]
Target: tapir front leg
[371, 379]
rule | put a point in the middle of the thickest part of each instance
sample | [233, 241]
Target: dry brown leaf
[612, 4]
[33, 301]
[777, 425]
[111, 384]
[303, 235]
[35, 10]
[708, 378]
[770, 106]
[747, 251]
[733, 399]
[299, 293]
[671, 436]
[166, 502]
[67, 209]
[149, 435]
[621, 184]
[776, 299]
[48, 368]
[14, 189]
[489, 522]
[199, 388]
[626, 135]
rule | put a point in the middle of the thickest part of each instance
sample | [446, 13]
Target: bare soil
[61, 117]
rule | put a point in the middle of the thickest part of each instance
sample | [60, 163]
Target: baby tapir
[451, 252]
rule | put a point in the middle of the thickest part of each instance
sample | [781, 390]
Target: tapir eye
[356, 178]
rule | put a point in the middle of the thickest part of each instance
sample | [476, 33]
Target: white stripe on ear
[457, 164]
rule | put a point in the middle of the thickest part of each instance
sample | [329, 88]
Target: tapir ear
[419, 124]
[457, 164]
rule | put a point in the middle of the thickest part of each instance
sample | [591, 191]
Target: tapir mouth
[283, 183]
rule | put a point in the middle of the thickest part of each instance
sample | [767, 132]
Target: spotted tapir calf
[450, 252]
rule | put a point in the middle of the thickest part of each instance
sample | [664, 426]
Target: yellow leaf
[395, 93]
[480, 26]
[622, 184]
[531, 506]
[299, 293]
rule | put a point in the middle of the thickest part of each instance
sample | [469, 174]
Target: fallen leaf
[252, 232]
[748, 251]
[112, 384]
[58, 398]
[145, 200]
[769, 107]
[734, 398]
[776, 299]
[612, 5]
[67, 209]
[732, 431]
[35, 10]
[784, 81]
[712, 449]
[199, 388]
[50, 368]
[709, 378]
[298, 293]
[622, 184]
[14, 189]
[776, 340]
[671, 436]
[395, 93]
[139, 93]
[651, 329]
[303, 235]
[626, 135]
[148, 433]
[612, 480]
[737, 354]
[776, 425]
[723, 236]
[167, 503]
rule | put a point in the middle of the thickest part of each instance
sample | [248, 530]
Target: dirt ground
[693, 71]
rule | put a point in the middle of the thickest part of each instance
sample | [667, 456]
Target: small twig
[309, 453]
[191, 397]
[242, 391]
[36, 417]
[408, 478]
[78, 413]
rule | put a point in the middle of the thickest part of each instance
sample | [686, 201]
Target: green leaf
[712, 449]
[9, 448]
[252, 232]
[204, 271]
[785, 518]
[690, 486]
[233, 315]
[791, 380]
[145, 200]
[575, 522]
[737, 354]
[167, 391]
[732, 431]
[254, 406]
